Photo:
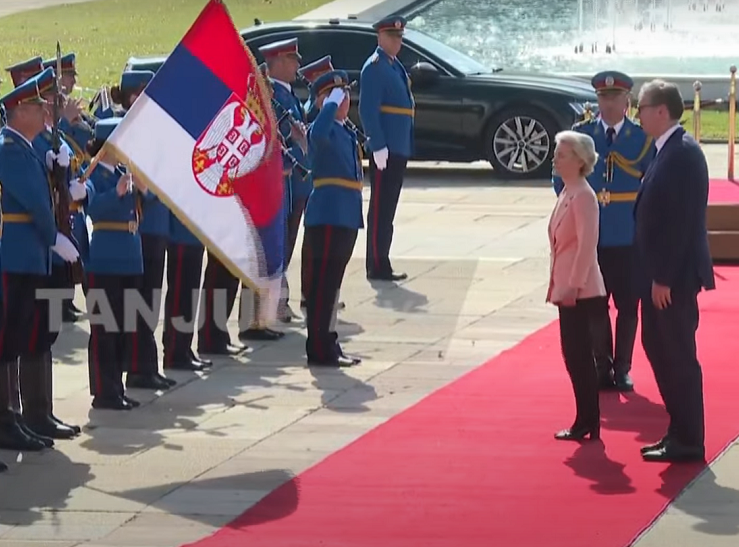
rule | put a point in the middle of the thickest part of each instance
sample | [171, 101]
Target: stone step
[724, 245]
[722, 217]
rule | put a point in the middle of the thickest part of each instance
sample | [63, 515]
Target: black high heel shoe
[579, 433]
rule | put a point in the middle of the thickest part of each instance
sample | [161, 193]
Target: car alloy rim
[521, 144]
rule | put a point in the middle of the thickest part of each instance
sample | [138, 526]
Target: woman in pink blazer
[575, 282]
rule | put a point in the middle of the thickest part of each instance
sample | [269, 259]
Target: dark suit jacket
[670, 213]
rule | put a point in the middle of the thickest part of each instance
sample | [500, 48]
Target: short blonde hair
[582, 146]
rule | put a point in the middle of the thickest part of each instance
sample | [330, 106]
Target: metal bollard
[732, 122]
[697, 111]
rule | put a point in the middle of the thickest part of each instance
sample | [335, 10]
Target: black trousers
[384, 195]
[330, 248]
[576, 342]
[21, 328]
[184, 271]
[668, 337]
[144, 353]
[110, 345]
[291, 237]
[617, 267]
[218, 298]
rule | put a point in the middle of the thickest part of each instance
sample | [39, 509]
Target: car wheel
[519, 144]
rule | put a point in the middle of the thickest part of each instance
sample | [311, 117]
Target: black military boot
[14, 387]
[37, 395]
[12, 436]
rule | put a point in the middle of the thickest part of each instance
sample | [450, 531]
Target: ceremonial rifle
[60, 184]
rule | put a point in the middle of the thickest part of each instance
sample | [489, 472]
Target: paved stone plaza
[192, 459]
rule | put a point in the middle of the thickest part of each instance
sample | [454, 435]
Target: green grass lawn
[105, 33]
[714, 125]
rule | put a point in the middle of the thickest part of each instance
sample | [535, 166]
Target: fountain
[679, 40]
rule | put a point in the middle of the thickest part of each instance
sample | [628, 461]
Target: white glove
[65, 248]
[77, 190]
[63, 159]
[336, 96]
[380, 158]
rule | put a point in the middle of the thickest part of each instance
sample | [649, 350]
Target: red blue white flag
[204, 137]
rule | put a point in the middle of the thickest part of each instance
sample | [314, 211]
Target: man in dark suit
[672, 243]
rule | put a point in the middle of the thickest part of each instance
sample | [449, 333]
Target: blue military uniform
[624, 153]
[114, 269]
[297, 184]
[29, 232]
[309, 73]
[333, 217]
[387, 109]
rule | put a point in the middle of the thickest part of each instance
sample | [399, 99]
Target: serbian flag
[204, 138]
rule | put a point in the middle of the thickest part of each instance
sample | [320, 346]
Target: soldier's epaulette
[375, 57]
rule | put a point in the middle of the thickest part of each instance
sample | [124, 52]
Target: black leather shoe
[146, 381]
[206, 363]
[392, 276]
[578, 433]
[46, 427]
[264, 335]
[77, 429]
[3, 467]
[111, 403]
[163, 378]
[228, 350]
[353, 358]
[12, 437]
[605, 379]
[652, 447]
[623, 382]
[672, 452]
[134, 403]
[186, 365]
[339, 362]
[48, 441]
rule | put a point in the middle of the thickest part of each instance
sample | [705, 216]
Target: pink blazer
[573, 242]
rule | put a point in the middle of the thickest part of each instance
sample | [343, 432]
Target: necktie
[610, 133]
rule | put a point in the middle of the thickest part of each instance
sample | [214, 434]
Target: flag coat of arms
[204, 137]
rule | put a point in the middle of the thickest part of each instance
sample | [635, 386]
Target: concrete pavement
[192, 459]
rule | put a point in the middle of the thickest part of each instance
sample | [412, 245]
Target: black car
[464, 110]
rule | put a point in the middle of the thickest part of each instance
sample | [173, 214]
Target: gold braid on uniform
[617, 159]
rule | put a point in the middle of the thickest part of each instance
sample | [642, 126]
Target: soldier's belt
[17, 218]
[344, 183]
[605, 197]
[131, 227]
[387, 109]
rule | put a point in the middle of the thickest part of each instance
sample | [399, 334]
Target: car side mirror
[423, 73]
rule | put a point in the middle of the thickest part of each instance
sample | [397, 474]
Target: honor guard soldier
[333, 216]
[624, 153]
[184, 273]
[309, 73]
[283, 62]
[26, 70]
[72, 159]
[387, 109]
[36, 381]
[143, 372]
[133, 82]
[114, 271]
[29, 235]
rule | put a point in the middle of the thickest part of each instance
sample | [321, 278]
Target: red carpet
[475, 465]
[723, 191]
